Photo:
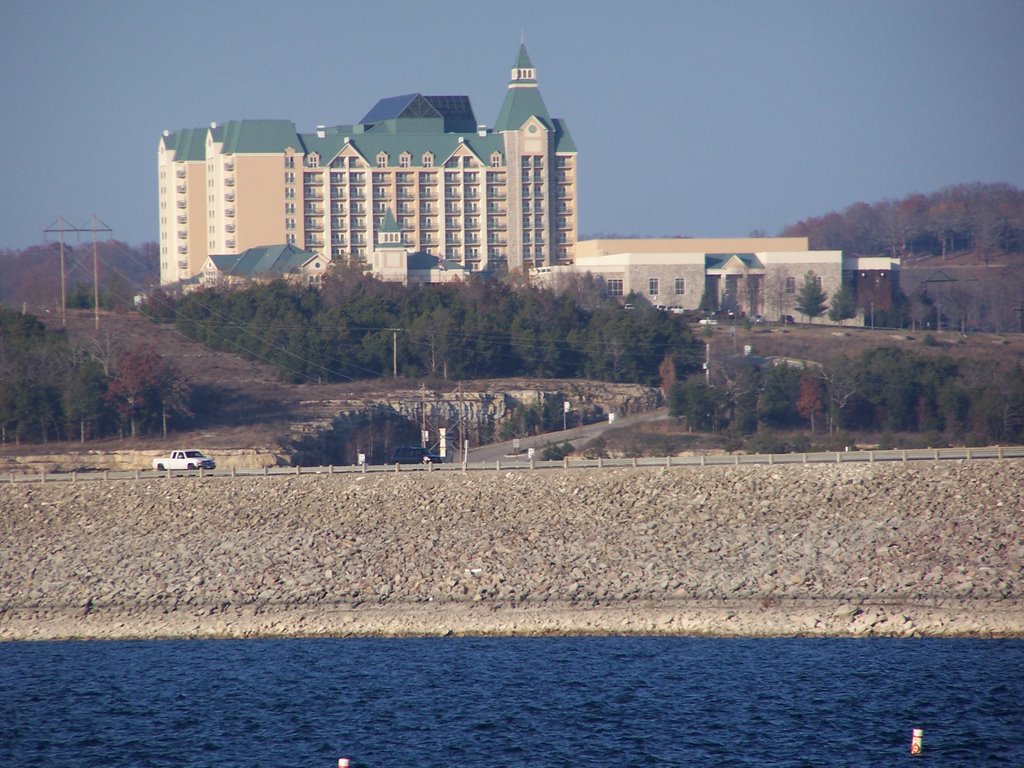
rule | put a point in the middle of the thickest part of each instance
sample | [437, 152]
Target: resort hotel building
[417, 168]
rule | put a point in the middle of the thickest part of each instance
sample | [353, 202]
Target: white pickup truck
[190, 459]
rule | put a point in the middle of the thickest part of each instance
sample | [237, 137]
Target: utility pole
[394, 351]
[423, 415]
[98, 226]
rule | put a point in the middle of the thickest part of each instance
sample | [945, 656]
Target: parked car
[758, 319]
[187, 459]
[415, 456]
[786, 320]
[708, 321]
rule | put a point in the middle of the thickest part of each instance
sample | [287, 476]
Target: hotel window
[289, 207]
[680, 286]
[289, 161]
[428, 160]
[652, 286]
[289, 177]
[790, 285]
[289, 223]
[290, 238]
[405, 160]
[313, 161]
[382, 160]
[495, 160]
[289, 193]
[614, 287]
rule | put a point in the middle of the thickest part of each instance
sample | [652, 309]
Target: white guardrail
[512, 463]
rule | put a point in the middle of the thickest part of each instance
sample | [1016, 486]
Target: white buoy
[342, 762]
[915, 741]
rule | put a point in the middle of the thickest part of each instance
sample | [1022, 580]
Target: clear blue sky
[709, 118]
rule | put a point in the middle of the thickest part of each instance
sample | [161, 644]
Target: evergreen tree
[843, 305]
[812, 300]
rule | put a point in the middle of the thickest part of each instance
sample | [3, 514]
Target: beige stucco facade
[752, 276]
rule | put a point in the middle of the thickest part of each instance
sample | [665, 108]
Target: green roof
[523, 60]
[719, 260]
[254, 136]
[521, 103]
[188, 144]
[369, 145]
[262, 261]
[563, 141]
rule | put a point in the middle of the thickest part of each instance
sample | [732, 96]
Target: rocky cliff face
[484, 408]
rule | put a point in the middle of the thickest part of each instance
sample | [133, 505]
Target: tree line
[988, 218]
[50, 390]
[32, 275]
[885, 390]
[356, 327]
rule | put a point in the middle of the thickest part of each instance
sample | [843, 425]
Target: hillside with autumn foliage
[985, 219]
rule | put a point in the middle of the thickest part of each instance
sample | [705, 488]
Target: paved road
[578, 436]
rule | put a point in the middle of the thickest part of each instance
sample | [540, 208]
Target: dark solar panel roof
[392, 107]
[456, 110]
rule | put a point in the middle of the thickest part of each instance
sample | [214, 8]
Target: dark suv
[415, 456]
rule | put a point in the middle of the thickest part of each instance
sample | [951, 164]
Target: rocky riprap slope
[895, 549]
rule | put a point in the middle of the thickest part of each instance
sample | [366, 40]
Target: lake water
[531, 702]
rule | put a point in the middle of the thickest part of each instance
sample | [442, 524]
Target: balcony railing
[229, 165]
[182, 204]
[229, 228]
[183, 234]
[229, 181]
[180, 173]
[183, 219]
[181, 189]
[230, 243]
[229, 212]
[182, 249]
[182, 263]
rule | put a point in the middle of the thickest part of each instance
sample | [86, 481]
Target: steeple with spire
[523, 99]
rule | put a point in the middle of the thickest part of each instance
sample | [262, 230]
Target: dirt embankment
[932, 550]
